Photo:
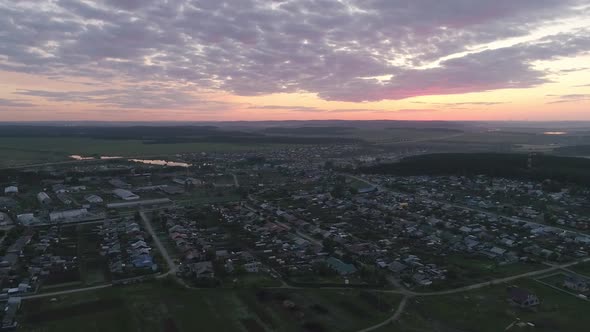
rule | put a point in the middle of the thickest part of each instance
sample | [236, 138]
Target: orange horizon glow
[438, 89]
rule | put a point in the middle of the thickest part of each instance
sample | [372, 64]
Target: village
[277, 219]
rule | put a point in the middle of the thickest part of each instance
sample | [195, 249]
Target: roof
[94, 199]
[125, 194]
[340, 266]
[11, 189]
[156, 201]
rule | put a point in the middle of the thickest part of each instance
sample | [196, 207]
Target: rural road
[169, 261]
[65, 292]
[396, 314]
[500, 280]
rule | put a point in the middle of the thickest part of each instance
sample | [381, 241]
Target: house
[203, 269]
[522, 298]
[575, 283]
[65, 199]
[172, 190]
[117, 183]
[252, 267]
[143, 261]
[11, 190]
[43, 198]
[125, 195]
[5, 219]
[93, 199]
[68, 215]
[340, 267]
[421, 279]
[396, 267]
[27, 219]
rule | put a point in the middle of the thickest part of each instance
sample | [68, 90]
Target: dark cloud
[15, 103]
[340, 50]
[152, 96]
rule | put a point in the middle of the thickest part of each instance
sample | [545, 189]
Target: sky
[216, 60]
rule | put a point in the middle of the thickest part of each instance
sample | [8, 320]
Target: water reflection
[160, 162]
[79, 157]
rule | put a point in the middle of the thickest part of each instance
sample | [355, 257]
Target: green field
[26, 150]
[488, 310]
[160, 306]
[469, 270]
[582, 268]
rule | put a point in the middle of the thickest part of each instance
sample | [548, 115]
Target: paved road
[236, 182]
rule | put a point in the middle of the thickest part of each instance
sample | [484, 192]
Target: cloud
[290, 108]
[258, 47]
[570, 98]
[571, 70]
[154, 96]
[15, 103]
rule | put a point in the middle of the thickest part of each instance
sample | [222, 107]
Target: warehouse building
[125, 195]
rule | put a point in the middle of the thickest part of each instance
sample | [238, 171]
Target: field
[26, 150]
[163, 307]
[582, 268]
[465, 271]
[488, 310]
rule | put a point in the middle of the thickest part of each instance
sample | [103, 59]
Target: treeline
[442, 129]
[237, 139]
[132, 132]
[576, 150]
[310, 130]
[171, 135]
[508, 165]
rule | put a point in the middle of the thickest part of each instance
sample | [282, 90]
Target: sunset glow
[176, 60]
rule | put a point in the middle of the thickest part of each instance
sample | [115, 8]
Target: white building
[94, 199]
[125, 195]
[11, 190]
[27, 219]
[67, 215]
[43, 198]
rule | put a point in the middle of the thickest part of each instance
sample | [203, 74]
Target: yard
[469, 270]
[160, 306]
[488, 310]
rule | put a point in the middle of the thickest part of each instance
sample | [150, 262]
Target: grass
[251, 280]
[160, 306]
[488, 310]
[470, 270]
[93, 267]
[582, 268]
